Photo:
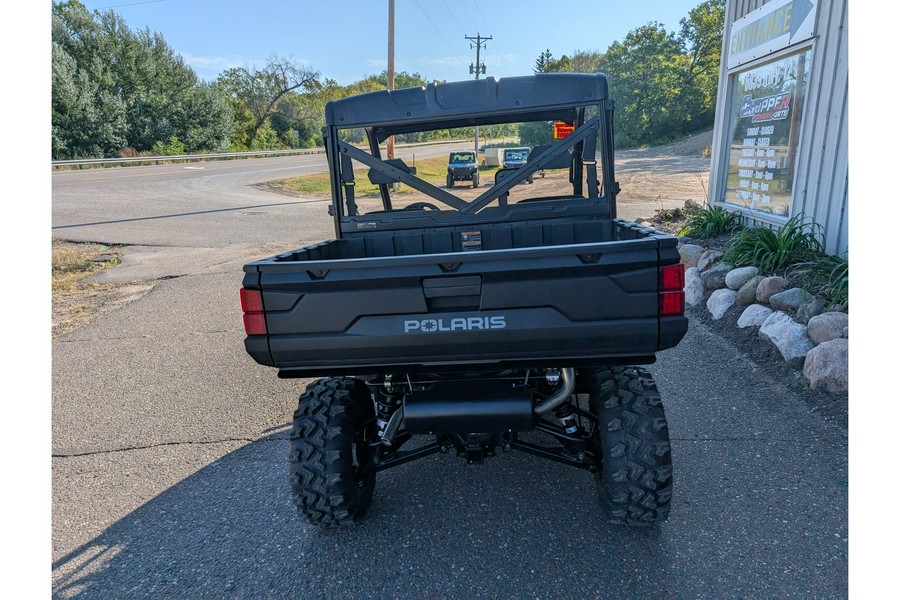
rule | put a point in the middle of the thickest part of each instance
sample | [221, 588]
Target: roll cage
[566, 97]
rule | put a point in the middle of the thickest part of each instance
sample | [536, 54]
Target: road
[170, 446]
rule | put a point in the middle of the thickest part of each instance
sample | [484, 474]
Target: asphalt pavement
[170, 449]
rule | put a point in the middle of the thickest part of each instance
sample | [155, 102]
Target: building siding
[821, 180]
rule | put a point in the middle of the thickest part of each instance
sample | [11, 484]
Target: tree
[540, 65]
[257, 93]
[646, 78]
[87, 121]
[131, 80]
[701, 40]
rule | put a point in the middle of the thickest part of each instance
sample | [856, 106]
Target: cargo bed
[584, 292]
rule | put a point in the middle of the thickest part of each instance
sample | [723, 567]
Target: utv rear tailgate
[565, 304]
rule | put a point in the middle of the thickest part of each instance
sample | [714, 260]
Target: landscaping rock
[714, 278]
[690, 254]
[736, 278]
[747, 293]
[809, 310]
[754, 316]
[719, 302]
[768, 287]
[790, 300]
[788, 336]
[708, 259]
[827, 366]
[691, 204]
[826, 327]
[693, 287]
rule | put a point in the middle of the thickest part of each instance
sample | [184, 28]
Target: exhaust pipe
[555, 400]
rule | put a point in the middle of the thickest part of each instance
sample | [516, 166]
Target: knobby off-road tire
[634, 481]
[449, 181]
[331, 481]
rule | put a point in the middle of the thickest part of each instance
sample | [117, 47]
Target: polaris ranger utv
[462, 166]
[501, 320]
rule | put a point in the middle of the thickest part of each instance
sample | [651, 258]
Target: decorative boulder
[693, 287]
[690, 254]
[826, 327]
[708, 259]
[768, 287]
[788, 336]
[809, 310]
[736, 278]
[714, 278]
[754, 316]
[720, 301]
[790, 300]
[747, 293]
[827, 366]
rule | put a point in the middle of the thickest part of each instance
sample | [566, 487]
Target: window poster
[765, 127]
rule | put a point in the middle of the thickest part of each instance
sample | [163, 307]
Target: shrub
[827, 276]
[774, 250]
[710, 222]
[174, 147]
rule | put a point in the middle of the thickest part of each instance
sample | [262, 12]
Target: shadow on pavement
[515, 526]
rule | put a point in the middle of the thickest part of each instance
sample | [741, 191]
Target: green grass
[710, 222]
[774, 250]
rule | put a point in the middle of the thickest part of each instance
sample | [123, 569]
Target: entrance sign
[769, 28]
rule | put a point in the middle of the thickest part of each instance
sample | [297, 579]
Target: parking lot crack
[249, 440]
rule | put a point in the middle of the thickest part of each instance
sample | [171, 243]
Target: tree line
[121, 92]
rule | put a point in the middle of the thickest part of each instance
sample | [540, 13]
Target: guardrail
[139, 160]
[102, 162]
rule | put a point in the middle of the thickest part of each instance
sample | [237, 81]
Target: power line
[461, 61]
[453, 16]
[499, 54]
[131, 4]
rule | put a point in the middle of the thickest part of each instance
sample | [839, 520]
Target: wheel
[634, 478]
[331, 461]
[530, 179]
[449, 180]
[475, 180]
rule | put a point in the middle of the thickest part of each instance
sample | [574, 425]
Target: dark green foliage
[774, 250]
[827, 276]
[114, 87]
[535, 134]
[664, 84]
[710, 222]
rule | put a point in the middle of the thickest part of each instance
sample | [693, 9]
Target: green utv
[499, 321]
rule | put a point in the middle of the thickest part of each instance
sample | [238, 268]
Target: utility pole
[390, 67]
[478, 69]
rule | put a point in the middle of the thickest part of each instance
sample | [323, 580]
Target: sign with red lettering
[561, 130]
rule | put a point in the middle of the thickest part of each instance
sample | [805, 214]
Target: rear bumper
[477, 340]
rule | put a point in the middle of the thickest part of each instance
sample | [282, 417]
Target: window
[767, 105]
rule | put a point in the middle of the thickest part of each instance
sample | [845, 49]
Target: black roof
[541, 97]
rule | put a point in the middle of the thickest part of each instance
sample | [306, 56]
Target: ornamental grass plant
[775, 250]
[711, 222]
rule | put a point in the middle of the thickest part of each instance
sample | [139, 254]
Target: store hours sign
[765, 132]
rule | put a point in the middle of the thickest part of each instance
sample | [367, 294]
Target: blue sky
[346, 40]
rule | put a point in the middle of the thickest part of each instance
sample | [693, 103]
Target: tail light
[254, 316]
[671, 290]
